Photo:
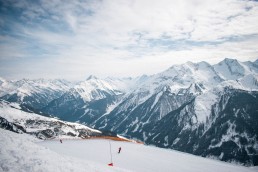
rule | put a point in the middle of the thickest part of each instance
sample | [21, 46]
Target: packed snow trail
[140, 158]
[20, 153]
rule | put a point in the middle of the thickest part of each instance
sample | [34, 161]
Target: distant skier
[119, 149]
[61, 141]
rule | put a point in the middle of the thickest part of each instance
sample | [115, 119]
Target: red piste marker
[111, 164]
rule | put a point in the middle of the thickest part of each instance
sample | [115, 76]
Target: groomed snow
[23, 153]
[19, 153]
[139, 158]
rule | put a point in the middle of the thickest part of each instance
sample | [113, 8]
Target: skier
[119, 149]
[61, 141]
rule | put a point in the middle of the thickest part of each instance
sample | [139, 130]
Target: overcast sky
[73, 39]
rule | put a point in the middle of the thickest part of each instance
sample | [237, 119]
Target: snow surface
[15, 114]
[26, 87]
[20, 153]
[12, 113]
[203, 105]
[250, 82]
[138, 157]
[94, 88]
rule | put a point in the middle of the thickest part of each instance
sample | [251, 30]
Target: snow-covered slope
[192, 91]
[231, 69]
[13, 118]
[139, 158]
[87, 100]
[174, 108]
[228, 132]
[159, 94]
[34, 93]
[20, 153]
[95, 89]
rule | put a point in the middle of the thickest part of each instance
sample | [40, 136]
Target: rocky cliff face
[228, 134]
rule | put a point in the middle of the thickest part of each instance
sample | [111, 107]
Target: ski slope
[137, 157]
[24, 153]
[20, 153]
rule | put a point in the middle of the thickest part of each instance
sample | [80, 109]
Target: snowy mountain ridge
[95, 89]
[12, 117]
[231, 69]
[190, 107]
[35, 93]
[189, 100]
[31, 86]
[176, 77]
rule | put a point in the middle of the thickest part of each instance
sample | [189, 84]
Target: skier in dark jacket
[61, 141]
[119, 149]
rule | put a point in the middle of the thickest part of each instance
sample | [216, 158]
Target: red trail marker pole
[110, 164]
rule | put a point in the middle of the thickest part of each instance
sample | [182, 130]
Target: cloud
[128, 37]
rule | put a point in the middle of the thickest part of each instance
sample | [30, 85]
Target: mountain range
[199, 108]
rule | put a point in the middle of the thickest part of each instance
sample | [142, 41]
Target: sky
[120, 38]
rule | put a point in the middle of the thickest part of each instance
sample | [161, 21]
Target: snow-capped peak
[256, 62]
[186, 74]
[95, 89]
[91, 77]
[33, 92]
[231, 69]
